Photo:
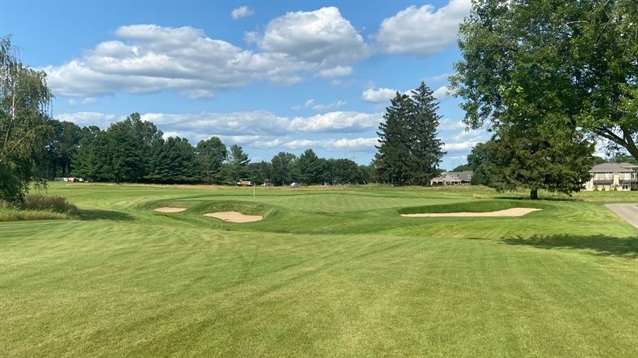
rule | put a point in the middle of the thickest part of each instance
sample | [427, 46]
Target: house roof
[452, 177]
[613, 167]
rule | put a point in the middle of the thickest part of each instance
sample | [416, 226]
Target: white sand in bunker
[234, 217]
[170, 210]
[500, 213]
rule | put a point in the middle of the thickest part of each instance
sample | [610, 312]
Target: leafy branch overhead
[576, 60]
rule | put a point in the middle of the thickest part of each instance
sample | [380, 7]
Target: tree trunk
[533, 194]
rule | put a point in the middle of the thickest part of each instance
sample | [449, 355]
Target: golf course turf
[327, 272]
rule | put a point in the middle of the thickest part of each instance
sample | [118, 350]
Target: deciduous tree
[24, 123]
[572, 61]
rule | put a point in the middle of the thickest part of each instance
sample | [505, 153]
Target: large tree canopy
[24, 125]
[573, 60]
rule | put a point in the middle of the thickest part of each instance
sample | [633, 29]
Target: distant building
[453, 178]
[613, 176]
[244, 182]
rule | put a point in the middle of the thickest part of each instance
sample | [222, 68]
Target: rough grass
[473, 207]
[327, 273]
[38, 207]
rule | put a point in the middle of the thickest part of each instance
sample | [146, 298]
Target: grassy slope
[327, 273]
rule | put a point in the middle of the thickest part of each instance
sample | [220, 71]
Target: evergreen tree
[424, 146]
[83, 161]
[392, 158]
[236, 165]
[409, 150]
[311, 168]
[173, 161]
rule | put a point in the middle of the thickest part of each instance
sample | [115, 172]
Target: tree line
[135, 151]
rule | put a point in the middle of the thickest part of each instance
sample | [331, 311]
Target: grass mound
[38, 207]
[473, 207]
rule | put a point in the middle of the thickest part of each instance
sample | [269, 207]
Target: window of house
[625, 186]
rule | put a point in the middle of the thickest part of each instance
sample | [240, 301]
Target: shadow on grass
[600, 244]
[526, 198]
[94, 214]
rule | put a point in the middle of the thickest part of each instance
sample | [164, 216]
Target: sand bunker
[234, 217]
[500, 213]
[170, 210]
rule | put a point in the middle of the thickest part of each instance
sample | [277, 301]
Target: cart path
[628, 212]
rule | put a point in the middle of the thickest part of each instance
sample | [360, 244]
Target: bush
[54, 204]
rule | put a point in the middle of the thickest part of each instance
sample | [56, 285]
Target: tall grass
[38, 207]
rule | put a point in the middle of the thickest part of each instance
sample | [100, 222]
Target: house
[244, 182]
[613, 176]
[453, 178]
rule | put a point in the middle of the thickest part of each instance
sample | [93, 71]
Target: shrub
[55, 204]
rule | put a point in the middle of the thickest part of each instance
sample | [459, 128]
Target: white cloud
[422, 31]
[461, 146]
[336, 72]
[336, 122]
[149, 58]
[356, 144]
[465, 140]
[321, 37]
[240, 12]
[325, 107]
[378, 95]
[446, 124]
[442, 93]
[319, 107]
[88, 118]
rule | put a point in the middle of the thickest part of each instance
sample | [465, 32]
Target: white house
[613, 176]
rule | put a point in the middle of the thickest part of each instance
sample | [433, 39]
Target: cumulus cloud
[322, 36]
[422, 31]
[336, 122]
[148, 58]
[378, 95]
[243, 123]
[240, 12]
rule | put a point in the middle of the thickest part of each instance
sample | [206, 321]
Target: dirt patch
[234, 217]
[500, 213]
[170, 210]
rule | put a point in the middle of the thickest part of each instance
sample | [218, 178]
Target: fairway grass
[327, 272]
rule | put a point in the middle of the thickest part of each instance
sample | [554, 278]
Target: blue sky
[270, 76]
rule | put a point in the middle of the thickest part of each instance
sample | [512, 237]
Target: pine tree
[409, 150]
[392, 156]
[425, 147]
